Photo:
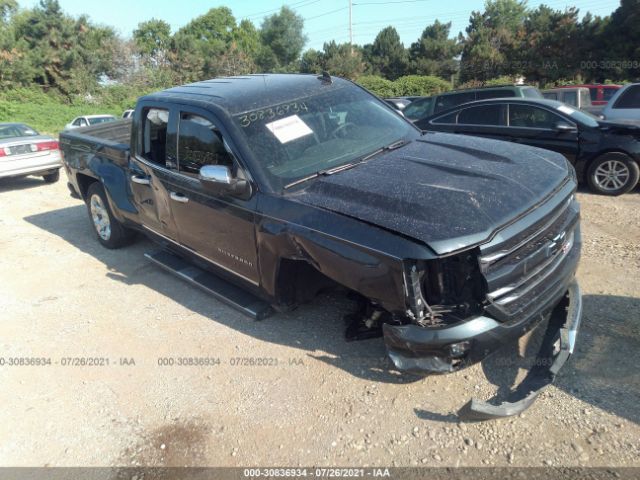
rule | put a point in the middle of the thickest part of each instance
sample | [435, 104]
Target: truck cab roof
[250, 92]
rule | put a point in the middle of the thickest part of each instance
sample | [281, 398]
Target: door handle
[140, 180]
[179, 197]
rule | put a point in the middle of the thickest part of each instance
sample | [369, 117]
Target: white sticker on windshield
[566, 109]
[289, 128]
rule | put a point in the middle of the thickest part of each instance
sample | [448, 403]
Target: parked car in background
[605, 154]
[624, 105]
[23, 151]
[127, 113]
[600, 94]
[577, 97]
[86, 120]
[427, 106]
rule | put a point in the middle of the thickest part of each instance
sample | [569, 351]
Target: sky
[325, 20]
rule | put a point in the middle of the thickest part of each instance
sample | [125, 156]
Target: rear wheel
[613, 174]
[111, 233]
[52, 177]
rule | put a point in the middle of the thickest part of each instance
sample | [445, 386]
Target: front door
[150, 169]
[536, 126]
[217, 227]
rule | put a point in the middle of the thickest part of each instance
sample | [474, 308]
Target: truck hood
[447, 191]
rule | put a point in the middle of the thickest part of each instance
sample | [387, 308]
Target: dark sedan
[605, 154]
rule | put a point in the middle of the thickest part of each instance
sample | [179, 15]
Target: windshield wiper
[347, 166]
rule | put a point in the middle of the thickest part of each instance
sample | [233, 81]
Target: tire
[52, 177]
[109, 231]
[613, 174]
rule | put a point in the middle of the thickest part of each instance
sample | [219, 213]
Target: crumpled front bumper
[421, 350]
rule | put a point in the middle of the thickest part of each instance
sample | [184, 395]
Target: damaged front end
[463, 307]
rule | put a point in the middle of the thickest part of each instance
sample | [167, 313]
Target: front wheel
[613, 174]
[111, 233]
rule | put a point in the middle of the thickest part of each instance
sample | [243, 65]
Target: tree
[621, 38]
[491, 43]
[153, 40]
[198, 49]
[283, 39]
[549, 43]
[435, 53]
[342, 60]
[387, 55]
[57, 51]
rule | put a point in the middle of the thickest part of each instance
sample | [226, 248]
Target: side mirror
[563, 127]
[218, 180]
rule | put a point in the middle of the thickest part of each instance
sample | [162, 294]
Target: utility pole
[351, 25]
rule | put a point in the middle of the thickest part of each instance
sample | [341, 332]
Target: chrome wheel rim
[612, 175]
[100, 217]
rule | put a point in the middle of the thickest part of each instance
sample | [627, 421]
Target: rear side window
[418, 109]
[97, 120]
[154, 135]
[200, 143]
[449, 118]
[531, 92]
[495, 93]
[550, 95]
[585, 99]
[630, 98]
[528, 116]
[480, 115]
[570, 98]
[607, 93]
[447, 101]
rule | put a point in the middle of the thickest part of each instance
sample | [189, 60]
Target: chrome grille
[520, 269]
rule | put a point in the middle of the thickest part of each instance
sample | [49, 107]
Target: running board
[220, 289]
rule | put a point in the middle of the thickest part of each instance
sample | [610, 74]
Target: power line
[295, 5]
[326, 13]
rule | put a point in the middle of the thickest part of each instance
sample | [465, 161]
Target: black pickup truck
[282, 185]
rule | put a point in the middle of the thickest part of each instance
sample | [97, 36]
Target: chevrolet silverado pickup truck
[282, 185]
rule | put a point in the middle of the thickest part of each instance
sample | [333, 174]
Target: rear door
[151, 167]
[536, 126]
[217, 227]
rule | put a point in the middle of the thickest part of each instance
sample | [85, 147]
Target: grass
[49, 113]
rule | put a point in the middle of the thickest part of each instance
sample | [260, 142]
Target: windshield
[96, 120]
[583, 117]
[299, 138]
[16, 130]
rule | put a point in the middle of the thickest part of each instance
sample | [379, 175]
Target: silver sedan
[23, 151]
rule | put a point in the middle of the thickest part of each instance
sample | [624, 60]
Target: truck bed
[109, 139]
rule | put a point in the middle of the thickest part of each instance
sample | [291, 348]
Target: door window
[607, 93]
[585, 99]
[154, 135]
[200, 143]
[447, 101]
[594, 94]
[532, 117]
[495, 93]
[570, 98]
[550, 95]
[480, 115]
[418, 109]
[630, 98]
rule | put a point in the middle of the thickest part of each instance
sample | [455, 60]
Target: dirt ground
[317, 400]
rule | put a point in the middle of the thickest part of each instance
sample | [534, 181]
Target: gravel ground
[318, 401]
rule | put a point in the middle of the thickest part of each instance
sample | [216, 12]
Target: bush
[420, 85]
[50, 112]
[380, 86]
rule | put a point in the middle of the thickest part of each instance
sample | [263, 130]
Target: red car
[600, 94]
